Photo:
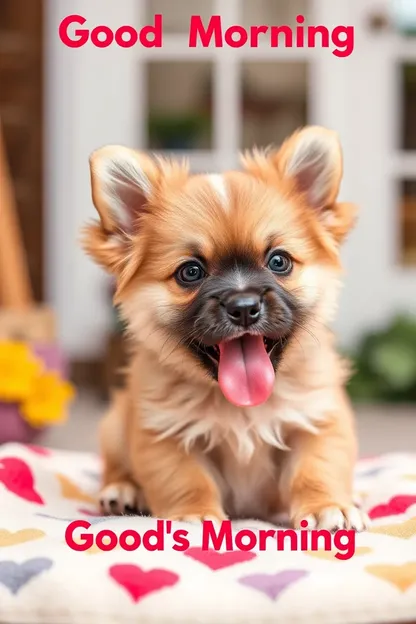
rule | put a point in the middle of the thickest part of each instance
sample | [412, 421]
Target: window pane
[404, 16]
[408, 222]
[177, 13]
[274, 101]
[180, 106]
[408, 140]
[274, 12]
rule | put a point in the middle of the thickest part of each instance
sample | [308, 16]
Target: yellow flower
[18, 371]
[47, 403]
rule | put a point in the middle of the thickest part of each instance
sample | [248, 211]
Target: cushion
[43, 579]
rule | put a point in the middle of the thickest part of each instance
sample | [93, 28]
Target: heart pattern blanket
[61, 562]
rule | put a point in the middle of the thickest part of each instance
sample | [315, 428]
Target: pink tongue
[245, 373]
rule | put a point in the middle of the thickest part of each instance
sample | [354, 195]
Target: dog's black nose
[243, 308]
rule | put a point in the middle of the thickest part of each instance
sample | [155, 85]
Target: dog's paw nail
[331, 519]
[120, 497]
[358, 520]
[335, 518]
[310, 522]
[131, 511]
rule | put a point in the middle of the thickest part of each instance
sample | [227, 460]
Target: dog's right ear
[122, 182]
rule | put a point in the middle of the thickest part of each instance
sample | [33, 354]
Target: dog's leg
[176, 486]
[317, 478]
[119, 493]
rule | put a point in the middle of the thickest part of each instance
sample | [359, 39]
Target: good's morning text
[216, 537]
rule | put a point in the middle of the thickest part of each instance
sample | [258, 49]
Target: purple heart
[273, 584]
[15, 575]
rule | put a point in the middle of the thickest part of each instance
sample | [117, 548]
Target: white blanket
[42, 579]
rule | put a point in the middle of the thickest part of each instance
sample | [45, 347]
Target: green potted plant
[385, 364]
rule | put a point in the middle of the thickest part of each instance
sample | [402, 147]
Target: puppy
[234, 403]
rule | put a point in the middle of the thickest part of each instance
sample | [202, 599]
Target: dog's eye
[190, 273]
[280, 263]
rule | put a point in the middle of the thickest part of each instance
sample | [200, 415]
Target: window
[177, 14]
[179, 106]
[408, 222]
[274, 101]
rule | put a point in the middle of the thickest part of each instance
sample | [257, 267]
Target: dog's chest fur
[239, 446]
[247, 489]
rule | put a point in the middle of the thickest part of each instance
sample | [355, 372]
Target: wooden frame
[15, 288]
[21, 113]
[20, 318]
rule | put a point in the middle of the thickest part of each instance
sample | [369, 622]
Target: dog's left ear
[312, 159]
[310, 163]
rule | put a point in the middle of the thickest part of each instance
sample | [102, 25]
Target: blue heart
[95, 476]
[15, 575]
[369, 472]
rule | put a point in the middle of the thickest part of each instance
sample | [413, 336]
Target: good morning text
[75, 32]
[216, 537]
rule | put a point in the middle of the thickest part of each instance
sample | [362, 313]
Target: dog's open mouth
[245, 370]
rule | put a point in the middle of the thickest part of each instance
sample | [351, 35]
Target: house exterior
[250, 95]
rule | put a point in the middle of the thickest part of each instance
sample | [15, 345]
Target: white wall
[91, 100]
[360, 98]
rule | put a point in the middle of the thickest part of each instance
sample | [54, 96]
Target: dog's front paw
[120, 498]
[334, 518]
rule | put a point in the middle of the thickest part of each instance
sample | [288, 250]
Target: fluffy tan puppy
[234, 403]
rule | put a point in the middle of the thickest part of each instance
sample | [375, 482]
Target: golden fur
[171, 441]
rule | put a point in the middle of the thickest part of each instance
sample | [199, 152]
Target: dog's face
[217, 274]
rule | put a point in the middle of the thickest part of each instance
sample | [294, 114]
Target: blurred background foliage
[385, 364]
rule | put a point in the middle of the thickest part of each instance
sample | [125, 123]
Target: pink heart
[139, 583]
[39, 450]
[17, 477]
[273, 584]
[219, 560]
[92, 514]
[396, 505]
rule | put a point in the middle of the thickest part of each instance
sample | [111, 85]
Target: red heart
[396, 505]
[139, 583]
[17, 477]
[219, 560]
